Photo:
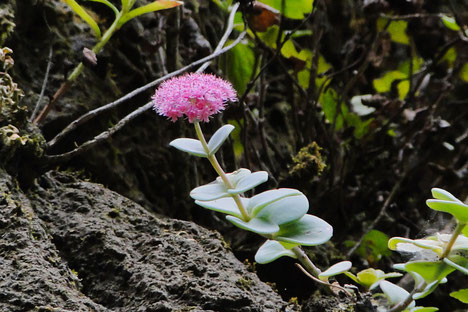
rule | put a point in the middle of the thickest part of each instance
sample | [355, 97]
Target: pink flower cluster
[197, 96]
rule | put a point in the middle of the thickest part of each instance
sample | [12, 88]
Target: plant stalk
[448, 247]
[217, 167]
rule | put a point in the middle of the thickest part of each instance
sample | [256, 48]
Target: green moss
[244, 283]
[308, 162]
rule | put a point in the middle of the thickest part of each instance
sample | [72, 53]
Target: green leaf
[209, 192]
[394, 293]
[429, 289]
[463, 74]
[218, 138]
[441, 194]
[236, 139]
[397, 30]
[285, 210]
[263, 199]
[337, 268]
[85, 16]
[423, 309]
[239, 65]
[450, 23]
[465, 230]
[152, 7]
[191, 146]
[225, 205]
[329, 101]
[430, 271]
[384, 83]
[249, 182]
[109, 4]
[272, 250]
[456, 209]
[256, 225]
[295, 9]
[409, 245]
[369, 277]
[308, 231]
[461, 295]
[374, 246]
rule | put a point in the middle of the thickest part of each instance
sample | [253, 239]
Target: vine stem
[217, 167]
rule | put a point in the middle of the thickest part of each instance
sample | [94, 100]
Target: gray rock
[129, 259]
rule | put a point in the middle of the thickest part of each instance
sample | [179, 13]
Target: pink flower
[197, 96]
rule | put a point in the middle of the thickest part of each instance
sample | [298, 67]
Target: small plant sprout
[440, 255]
[122, 16]
[279, 215]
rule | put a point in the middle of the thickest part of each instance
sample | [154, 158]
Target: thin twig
[44, 84]
[93, 113]
[411, 16]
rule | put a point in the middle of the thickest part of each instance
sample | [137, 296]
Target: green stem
[217, 167]
[452, 240]
[306, 262]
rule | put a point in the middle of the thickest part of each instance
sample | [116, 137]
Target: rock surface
[76, 246]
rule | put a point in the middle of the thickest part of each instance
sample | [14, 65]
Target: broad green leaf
[308, 231]
[441, 194]
[85, 16]
[109, 4]
[285, 210]
[151, 7]
[239, 65]
[259, 201]
[329, 102]
[337, 268]
[394, 293]
[225, 205]
[191, 146]
[370, 276]
[456, 209]
[272, 250]
[450, 23]
[295, 9]
[218, 138]
[384, 83]
[396, 29]
[461, 295]
[374, 246]
[249, 182]
[430, 271]
[256, 225]
[465, 230]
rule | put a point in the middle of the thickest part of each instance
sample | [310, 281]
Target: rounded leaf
[259, 201]
[218, 138]
[191, 146]
[308, 231]
[457, 209]
[430, 271]
[427, 290]
[394, 293]
[248, 182]
[209, 191]
[424, 309]
[337, 268]
[439, 193]
[225, 205]
[285, 210]
[272, 250]
[255, 225]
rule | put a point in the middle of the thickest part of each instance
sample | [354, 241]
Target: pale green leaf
[218, 138]
[295, 9]
[450, 23]
[249, 182]
[191, 146]
[85, 16]
[272, 250]
[442, 194]
[308, 231]
[151, 7]
[225, 205]
[259, 201]
[430, 271]
[456, 209]
[396, 29]
[394, 293]
[337, 268]
[256, 225]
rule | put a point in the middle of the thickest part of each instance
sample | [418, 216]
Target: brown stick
[63, 88]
